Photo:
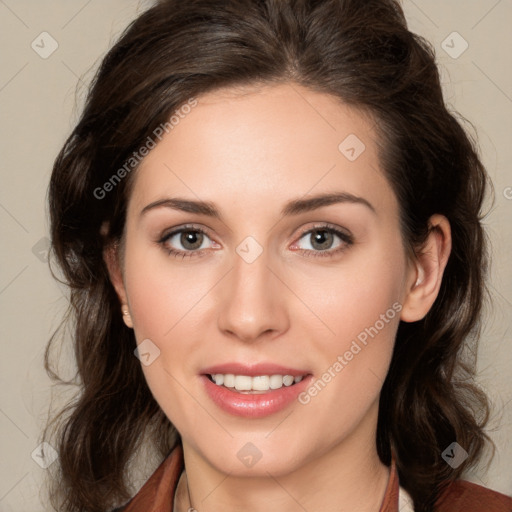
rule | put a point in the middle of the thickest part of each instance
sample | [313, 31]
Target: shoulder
[469, 497]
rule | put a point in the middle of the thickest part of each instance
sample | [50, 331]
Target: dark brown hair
[360, 52]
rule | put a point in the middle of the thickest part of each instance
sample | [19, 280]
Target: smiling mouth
[258, 384]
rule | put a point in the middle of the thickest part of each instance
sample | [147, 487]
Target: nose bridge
[252, 302]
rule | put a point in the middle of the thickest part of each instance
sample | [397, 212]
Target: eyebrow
[294, 207]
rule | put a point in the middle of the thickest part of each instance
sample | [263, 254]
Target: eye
[323, 241]
[185, 242]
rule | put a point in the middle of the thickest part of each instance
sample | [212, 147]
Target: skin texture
[249, 151]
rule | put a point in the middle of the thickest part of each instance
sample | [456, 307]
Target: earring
[127, 317]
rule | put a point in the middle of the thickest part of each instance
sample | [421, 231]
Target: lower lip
[254, 405]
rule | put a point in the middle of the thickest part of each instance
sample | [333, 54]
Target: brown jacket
[157, 494]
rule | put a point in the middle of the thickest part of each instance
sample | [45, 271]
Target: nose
[252, 303]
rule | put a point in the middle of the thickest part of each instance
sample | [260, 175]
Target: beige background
[38, 109]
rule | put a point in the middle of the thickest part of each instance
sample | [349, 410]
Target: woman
[270, 226]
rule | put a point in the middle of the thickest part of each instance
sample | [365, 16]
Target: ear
[425, 279]
[111, 256]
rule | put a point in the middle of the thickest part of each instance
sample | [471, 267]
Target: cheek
[168, 303]
[161, 294]
[355, 295]
[162, 300]
[360, 307]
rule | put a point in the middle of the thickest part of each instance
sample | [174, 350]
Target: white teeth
[288, 380]
[261, 383]
[229, 380]
[276, 381]
[257, 383]
[243, 383]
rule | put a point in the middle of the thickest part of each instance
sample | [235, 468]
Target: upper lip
[253, 370]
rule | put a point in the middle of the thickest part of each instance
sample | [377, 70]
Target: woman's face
[262, 242]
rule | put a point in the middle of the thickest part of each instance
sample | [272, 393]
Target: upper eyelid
[173, 231]
[326, 226]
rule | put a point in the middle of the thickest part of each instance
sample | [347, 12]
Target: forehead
[246, 145]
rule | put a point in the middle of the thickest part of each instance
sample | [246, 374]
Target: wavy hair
[359, 52]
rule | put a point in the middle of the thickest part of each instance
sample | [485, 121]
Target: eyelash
[344, 237]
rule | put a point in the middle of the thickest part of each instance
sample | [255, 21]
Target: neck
[346, 477]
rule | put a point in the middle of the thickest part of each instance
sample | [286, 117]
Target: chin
[246, 456]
